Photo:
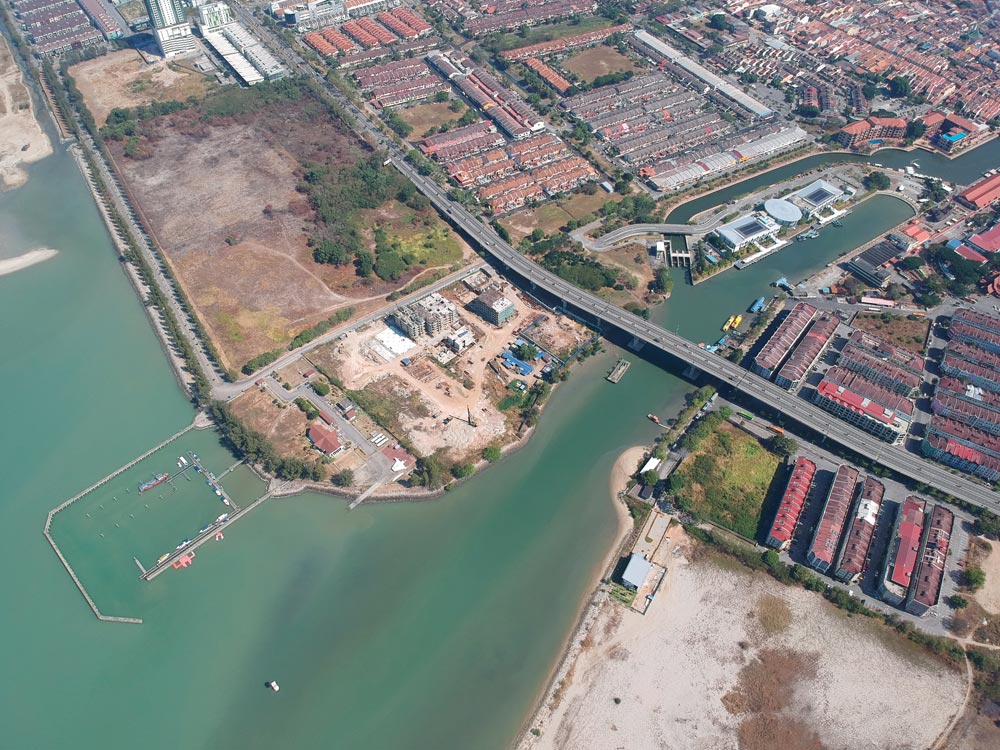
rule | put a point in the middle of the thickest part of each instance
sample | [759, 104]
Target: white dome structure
[782, 211]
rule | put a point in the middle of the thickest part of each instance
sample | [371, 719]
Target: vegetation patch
[590, 64]
[908, 332]
[726, 475]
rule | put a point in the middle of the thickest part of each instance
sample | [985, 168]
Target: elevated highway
[617, 236]
[892, 457]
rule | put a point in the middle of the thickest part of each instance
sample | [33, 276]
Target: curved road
[612, 238]
[892, 457]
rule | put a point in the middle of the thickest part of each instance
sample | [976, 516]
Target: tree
[915, 129]
[650, 478]
[973, 578]
[460, 471]
[389, 265]
[877, 181]
[782, 445]
[527, 352]
[323, 389]
[899, 87]
[912, 263]
[492, 453]
[957, 601]
[663, 282]
[327, 251]
[441, 96]
[343, 478]
[365, 264]
[988, 524]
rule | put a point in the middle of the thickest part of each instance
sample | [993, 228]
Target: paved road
[892, 457]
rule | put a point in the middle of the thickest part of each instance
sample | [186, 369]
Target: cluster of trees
[396, 124]
[609, 79]
[632, 209]
[877, 181]
[255, 448]
[579, 270]
[663, 282]
[337, 193]
[307, 408]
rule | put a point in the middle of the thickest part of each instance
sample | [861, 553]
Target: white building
[170, 26]
[213, 16]
[817, 196]
[748, 230]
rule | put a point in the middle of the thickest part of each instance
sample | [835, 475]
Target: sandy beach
[30, 258]
[22, 140]
[623, 468]
[728, 659]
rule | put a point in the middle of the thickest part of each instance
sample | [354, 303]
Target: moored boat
[156, 480]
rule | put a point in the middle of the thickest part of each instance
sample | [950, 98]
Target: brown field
[549, 217]
[285, 428]
[122, 79]
[899, 330]
[220, 199]
[423, 117]
[597, 61]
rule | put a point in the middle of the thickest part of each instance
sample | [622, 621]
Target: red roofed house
[982, 194]
[969, 254]
[325, 441]
[988, 241]
[792, 503]
[904, 547]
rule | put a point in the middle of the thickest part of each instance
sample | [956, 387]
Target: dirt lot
[549, 217]
[423, 117]
[416, 399]
[727, 659]
[221, 201]
[898, 330]
[989, 595]
[122, 79]
[597, 61]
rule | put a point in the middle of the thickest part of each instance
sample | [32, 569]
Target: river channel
[399, 627]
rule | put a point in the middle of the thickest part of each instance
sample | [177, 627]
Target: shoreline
[26, 260]
[23, 141]
[561, 674]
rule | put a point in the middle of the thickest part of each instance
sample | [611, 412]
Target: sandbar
[30, 258]
[22, 140]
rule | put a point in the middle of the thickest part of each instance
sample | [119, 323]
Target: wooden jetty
[619, 371]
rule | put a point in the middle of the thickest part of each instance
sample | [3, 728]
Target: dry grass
[597, 61]
[771, 731]
[285, 428]
[123, 79]
[771, 616]
[899, 330]
[423, 117]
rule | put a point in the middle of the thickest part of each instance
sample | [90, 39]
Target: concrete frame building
[171, 28]
[492, 307]
[429, 316]
[904, 547]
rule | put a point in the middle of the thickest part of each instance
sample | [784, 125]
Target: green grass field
[726, 479]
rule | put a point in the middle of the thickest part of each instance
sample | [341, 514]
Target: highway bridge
[617, 236]
[892, 457]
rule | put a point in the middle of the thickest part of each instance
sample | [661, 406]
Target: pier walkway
[62, 506]
[204, 536]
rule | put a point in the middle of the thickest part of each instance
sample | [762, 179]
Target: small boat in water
[273, 685]
[653, 418]
[729, 323]
[737, 321]
[156, 480]
[837, 223]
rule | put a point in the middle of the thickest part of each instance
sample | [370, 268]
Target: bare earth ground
[22, 140]
[424, 393]
[597, 61]
[203, 191]
[123, 79]
[726, 659]
[550, 216]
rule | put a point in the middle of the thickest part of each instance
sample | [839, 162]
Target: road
[892, 457]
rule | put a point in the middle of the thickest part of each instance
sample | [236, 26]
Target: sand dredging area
[26, 260]
[728, 659]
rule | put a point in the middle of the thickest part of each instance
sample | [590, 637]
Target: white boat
[273, 685]
[223, 517]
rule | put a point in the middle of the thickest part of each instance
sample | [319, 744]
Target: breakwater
[65, 504]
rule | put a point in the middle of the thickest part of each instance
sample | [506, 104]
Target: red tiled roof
[982, 194]
[835, 510]
[326, 440]
[911, 524]
[990, 239]
[933, 556]
[859, 534]
[969, 254]
[793, 500]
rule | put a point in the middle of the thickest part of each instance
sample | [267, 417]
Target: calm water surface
[406, 626]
